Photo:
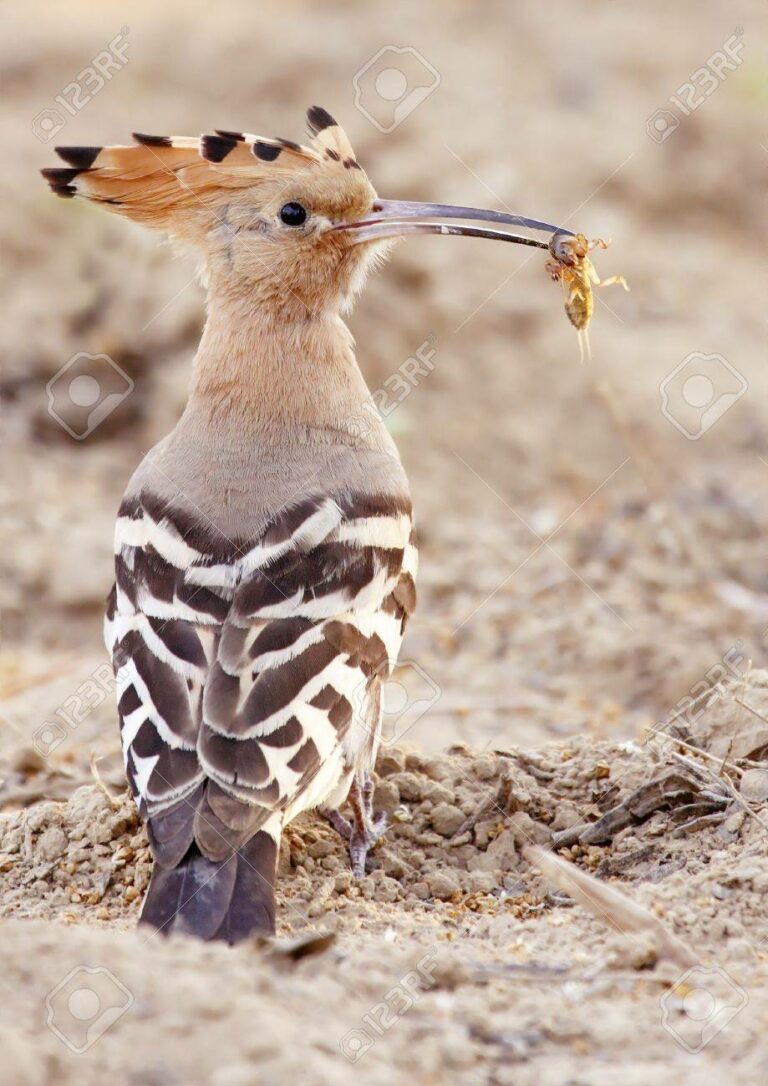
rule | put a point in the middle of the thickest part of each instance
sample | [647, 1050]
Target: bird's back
[261, 593]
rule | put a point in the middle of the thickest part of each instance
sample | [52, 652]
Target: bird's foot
[362, 841]
[364, 829]
[341, 824]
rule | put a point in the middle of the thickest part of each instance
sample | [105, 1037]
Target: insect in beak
[397, 219]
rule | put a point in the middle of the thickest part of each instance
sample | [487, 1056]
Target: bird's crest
[184, 184]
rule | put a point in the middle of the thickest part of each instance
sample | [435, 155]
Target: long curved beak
[397, 219]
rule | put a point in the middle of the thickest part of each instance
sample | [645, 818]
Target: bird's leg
[341, 824]
[366, 830]
[378, 825]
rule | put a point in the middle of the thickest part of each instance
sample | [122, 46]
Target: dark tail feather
[252, 905]
[227, 900]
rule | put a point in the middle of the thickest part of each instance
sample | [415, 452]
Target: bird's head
[294, 226]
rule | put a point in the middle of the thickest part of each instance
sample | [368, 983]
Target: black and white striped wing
[247, 674]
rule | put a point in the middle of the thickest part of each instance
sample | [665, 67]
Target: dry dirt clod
[442, 885]
[390, 760]
[409, 786]
[386, 797]
[446, 819]
[52, 843]
[754, 785]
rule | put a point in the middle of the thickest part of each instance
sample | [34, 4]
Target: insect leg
[614, 281]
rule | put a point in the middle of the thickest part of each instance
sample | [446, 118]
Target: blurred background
[592, 536]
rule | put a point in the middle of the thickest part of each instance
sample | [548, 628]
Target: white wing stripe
[128, 673]
[344, 679]
[144, 767]
[156, 645]
[278, 657]
[385, 532]
[410, 560]
[165, 539]
[156, 608]
[131, 724]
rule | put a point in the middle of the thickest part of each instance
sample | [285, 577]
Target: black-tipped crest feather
[216, 148]
[318, 119]
[60, 179]
[79, 157]
[152, 141]
[267, 152]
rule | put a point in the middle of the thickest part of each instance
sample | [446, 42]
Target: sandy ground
[453, 960]
[587, 568]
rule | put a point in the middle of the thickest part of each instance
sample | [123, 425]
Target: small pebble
[482, 882]
[52, 843]
[386, 797]
[486, 767]
[321, 848]
[437, 793]
[342, 882]
[389, 761]
[754, 785]
[442, 884]
[446, 819]
[408, 785]
[438, 769]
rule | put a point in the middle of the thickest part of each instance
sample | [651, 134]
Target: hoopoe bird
[264, 550]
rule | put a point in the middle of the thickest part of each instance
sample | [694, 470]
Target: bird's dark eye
[293, 214]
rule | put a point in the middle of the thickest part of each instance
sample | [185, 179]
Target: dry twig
[608, 905]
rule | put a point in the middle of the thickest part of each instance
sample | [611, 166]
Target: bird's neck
[265, 371]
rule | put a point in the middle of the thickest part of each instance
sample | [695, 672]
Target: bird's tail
[227, 900]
